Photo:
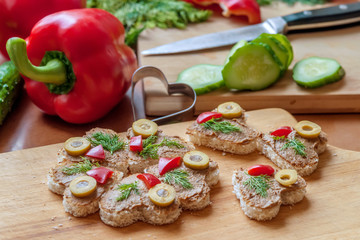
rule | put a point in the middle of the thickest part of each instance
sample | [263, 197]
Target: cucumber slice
[234, 48]
[252, 67]
[203, 78]
[286, 43]
[315, 72]
[277, 47]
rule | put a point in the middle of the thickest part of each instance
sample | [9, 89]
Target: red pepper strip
[96, 152]
[167, 164]
[260, 170]
[206, 116]
[149, 179]
[248, 8]
[101, 174]
[136, 144]
[282, 131]
[87, 63]
[17, 17]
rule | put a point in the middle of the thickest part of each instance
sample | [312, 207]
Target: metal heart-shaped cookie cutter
[172, 88]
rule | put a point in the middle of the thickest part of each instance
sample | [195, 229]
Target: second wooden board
[340, 44]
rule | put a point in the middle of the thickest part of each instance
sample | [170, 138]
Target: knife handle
[324, 17]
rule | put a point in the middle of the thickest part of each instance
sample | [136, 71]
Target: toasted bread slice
[58, 181]
[287, 157]
[82, 207]
[139, 207]
[116, 160]
[138, 162]
[239, 142]
[265, 208]
[197, 197]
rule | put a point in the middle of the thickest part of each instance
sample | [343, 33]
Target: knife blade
[309, 19]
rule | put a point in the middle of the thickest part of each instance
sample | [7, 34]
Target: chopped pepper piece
[136, 144]
[206, 116]
[149, 179]
[96, 152]
[257, 170]
[167, 164]
[247, 8]
[101, 174]
[282, 131]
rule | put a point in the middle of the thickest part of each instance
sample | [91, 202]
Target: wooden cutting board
[28, 210]
[340, 44]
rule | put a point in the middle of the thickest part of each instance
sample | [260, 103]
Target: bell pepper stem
[53, 72]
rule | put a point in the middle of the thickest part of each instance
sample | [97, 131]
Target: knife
[309, 19]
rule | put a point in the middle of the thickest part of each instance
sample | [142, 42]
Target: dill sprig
[297, 145]
[258, 183]
[126, 189]
[150, 149]
[171, 143]
[291, 2]
[150, 140]
[220, 126]
[137, 15]
[80, 167]
[109, 142]
[179, 177]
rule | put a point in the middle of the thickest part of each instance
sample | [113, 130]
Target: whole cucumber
[10, 86]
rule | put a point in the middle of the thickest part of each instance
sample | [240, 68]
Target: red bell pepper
[260, 170]
[282, 131]
[17, 17]
[167, 164]
[84, 62]
[101, 174]
[247, 8]
[206, 116]
[149, 179]
[136, 144]
[96, 152]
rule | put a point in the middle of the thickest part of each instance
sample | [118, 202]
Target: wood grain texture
[340, 44]
[28, 210]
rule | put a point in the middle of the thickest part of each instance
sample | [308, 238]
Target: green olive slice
[196, 160]
[77, 146]
[307, 129]
[83, 186]
[286, 177]
[144, 127]
[162, 194]
[230, 110]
